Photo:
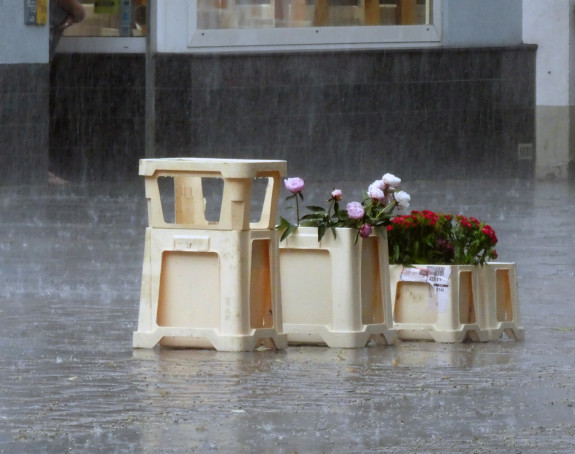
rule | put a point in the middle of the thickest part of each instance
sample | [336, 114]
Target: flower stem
[297, 209]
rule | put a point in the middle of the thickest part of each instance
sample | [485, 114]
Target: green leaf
[310, 222]
[315, 216]
[288, 232]
[321, 231]
[381, 232]
[334, 231]
[284, 224]
[396, 253]
[316, 209]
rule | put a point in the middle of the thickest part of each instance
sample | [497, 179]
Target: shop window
[248, 23]
[226, 14]
[111, 18]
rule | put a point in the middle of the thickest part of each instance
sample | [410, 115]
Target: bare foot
[55, 180]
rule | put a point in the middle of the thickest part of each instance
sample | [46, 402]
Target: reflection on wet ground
[70, 381]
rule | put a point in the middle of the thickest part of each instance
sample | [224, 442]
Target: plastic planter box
[336, 291]
[441, 303]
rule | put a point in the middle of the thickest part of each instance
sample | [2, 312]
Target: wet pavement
[70, 266]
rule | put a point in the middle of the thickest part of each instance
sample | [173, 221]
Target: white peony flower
[402, 198]
[391, 180]
[379, 183]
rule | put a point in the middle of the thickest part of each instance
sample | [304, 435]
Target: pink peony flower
[336, 194]
[355, 210]
[365, 230]
[374, 191]
[294, 185]
[391, 181]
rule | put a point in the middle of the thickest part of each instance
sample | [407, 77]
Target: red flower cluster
[473, 223]
[488, 230]
[428, 237]
[418, 218]
[467, 222]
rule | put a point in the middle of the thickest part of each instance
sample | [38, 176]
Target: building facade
[425, 89]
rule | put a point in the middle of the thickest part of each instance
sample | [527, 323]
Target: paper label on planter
[436, 276]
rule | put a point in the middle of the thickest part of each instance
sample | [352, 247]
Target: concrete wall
[98, 116]
[24, 88]
[423, 114]
[482, 22]
[23, 123]
[430, 113]
[550, 25]
[20, 43]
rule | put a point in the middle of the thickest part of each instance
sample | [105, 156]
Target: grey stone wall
[97, 116]
[430, 113]
[422, 114]
[24, 95]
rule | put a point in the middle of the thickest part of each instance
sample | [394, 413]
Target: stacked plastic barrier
[210, 283]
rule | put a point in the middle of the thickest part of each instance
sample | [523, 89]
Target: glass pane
[232, 14]
[125, 18]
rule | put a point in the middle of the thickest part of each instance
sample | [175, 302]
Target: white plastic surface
[500, 301]
[335, 292]
[198, 292]
[238, 176]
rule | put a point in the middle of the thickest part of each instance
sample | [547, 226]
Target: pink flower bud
[365, 230]
[336, 194]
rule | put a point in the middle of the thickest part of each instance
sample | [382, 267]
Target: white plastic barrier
[500, 301]
[210, 283]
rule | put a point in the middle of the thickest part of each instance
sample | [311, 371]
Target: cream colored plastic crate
[189, 175]
[210, 283]
[500, 301]
[335, 292]
[441, 303]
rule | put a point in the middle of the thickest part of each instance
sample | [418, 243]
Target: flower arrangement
[375, 210]
[428, 237]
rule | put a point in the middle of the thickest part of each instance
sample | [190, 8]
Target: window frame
[102, 45]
